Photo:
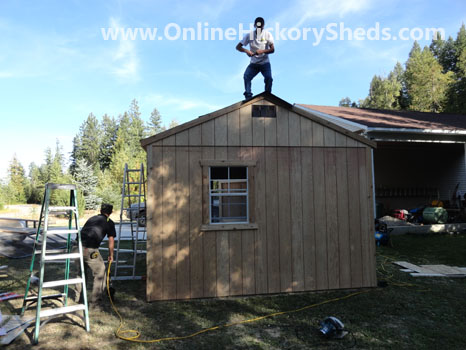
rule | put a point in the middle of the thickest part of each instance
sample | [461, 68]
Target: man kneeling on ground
[92, 235]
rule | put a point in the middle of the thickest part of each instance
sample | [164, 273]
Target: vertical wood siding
[311, 198]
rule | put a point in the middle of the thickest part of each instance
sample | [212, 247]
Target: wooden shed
[258, 197]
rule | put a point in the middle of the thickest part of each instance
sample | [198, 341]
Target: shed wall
[312, 203]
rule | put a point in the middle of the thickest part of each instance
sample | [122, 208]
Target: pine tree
[457, 91]
[384, 93]
[35, 186]
[460, 45]
[109, 130]
[46, 168]
[16, 182]
[345, 102]
[398, 75]
[155, 123]
[444, 51]
[86, 182]
[173, 123]
[53, 172]
[127, 145]
[86, 144]
[426, 84]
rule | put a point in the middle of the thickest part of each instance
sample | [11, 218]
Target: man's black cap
[259, 20]
[106, 208]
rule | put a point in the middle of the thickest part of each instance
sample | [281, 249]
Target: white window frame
[229, 194]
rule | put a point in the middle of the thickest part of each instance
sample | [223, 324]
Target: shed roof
[374, 118]
[270, 98]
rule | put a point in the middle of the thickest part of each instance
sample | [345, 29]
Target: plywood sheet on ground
[432, 270]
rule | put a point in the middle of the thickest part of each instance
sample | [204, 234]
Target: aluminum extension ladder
[63, 255]
[133, 199]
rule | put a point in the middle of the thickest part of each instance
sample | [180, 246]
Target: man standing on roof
[261, 45]
[93, 232]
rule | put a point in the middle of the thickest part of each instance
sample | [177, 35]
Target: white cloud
[180, 104]
[125, 59]
[6, 75]
[207, 10]
[303, 11]
[215, 9]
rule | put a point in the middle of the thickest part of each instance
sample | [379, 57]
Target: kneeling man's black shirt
[95, 229]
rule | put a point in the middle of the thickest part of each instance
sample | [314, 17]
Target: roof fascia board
[417, 131]
[332, 117]
[416, 137]
[308, 113]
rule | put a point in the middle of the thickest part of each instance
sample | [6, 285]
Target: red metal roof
[395, 119]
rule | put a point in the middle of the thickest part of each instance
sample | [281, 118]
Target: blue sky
[56, 67]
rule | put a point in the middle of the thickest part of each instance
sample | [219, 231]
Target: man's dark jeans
[251, 71]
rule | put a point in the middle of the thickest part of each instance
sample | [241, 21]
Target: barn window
[264, 111]
[228, 194]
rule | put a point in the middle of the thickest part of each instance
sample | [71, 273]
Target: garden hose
[133, 335]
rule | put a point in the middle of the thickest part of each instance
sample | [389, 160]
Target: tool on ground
[133, 197]
[332, 327]
[54, 256]
[382, 233]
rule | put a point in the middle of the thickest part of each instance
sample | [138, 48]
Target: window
[264, 111]
[228, 194]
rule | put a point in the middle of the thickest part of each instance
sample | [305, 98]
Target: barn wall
[311, 198]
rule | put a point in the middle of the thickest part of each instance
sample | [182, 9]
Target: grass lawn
[409, 313]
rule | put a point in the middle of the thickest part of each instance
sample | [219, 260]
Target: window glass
[228, 194]
[238, 172]
[225, 209]
[219, 173]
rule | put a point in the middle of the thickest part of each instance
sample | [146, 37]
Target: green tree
[457, 91]
[426, 83]
[35, 186]
[345, 102]
[86, 145]
[444, 51]
[384, 93]
[86, 182]
[398, 76]
[155, 123]
[46, 168]
[52, 171]
[127, 147]
[173, 123]
[109, 130]
[16, 182]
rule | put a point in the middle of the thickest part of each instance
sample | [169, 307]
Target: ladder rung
[61, 208]
[62, 310]
[61, 186]
[62, 256]
[133, 195]
[128, 251]
[125, 266]
[60, 232]
[133, 170]
[51, 284]
[50, 296]
[125, 278]
[52, 251]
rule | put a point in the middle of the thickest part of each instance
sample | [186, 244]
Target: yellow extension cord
[119, 333]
